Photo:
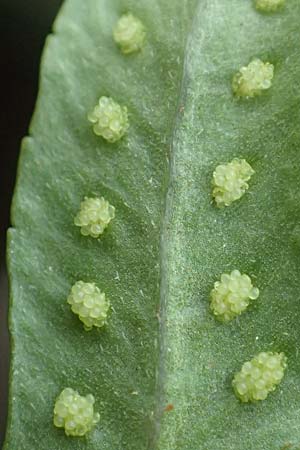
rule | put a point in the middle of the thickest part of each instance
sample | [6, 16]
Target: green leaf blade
[168, 244]
[62, 162]
[256, 235]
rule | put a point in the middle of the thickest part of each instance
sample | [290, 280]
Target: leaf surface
[159, 258]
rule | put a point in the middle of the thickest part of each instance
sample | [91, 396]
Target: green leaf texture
[159, 258]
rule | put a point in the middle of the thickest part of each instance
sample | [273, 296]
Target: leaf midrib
[164, 241]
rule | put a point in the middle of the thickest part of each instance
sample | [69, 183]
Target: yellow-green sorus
[253, 79]
[109, 119]
[94, 216]
[232, 295]
[129, 34]
[89, 303]
[260, 376]
[75, 413]
[269, 5]
[230, 181]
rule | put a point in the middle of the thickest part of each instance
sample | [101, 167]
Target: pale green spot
[253, 79]
[232, 295]
[94, 216]
[230, 181]
[90, 304]
[260, 376]
[109, 119]
[269, 5]
[75, 413]
[129, 34]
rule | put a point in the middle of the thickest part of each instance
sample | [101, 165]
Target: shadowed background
[24, 25]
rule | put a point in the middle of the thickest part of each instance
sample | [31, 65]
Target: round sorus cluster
[260, 376]
[269, 5]
[129, 33]
[230, 181]
[109, 119]
[75, 413]
[251, 80]
[89, 303]
[232, 295]
[94, 216]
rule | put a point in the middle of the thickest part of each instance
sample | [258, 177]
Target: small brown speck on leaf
[169, 407]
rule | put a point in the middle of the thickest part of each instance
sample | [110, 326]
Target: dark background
[24, 25]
